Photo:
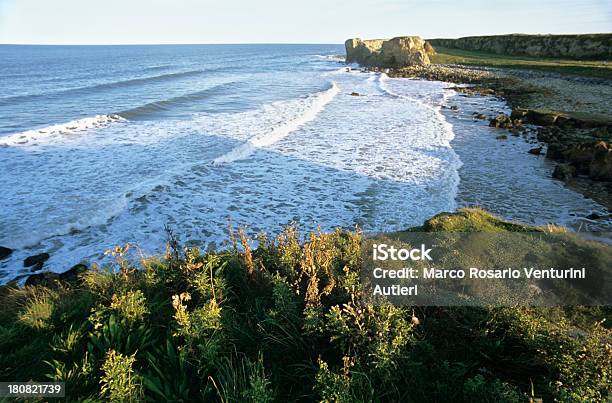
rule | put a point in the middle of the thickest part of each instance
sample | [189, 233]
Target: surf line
[448, 127]
[317, 104]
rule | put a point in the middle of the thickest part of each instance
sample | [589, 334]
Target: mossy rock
[470, 220]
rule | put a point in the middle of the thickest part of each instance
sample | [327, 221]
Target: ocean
[108, 145]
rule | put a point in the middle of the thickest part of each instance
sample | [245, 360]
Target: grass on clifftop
[289, 321]
[474, 58]
[471, 220]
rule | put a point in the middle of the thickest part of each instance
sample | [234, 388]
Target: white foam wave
[46, 134]
[309, 109]
[448, 133]
[383, 86]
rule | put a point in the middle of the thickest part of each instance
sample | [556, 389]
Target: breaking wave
[308, 110]
[32, 136]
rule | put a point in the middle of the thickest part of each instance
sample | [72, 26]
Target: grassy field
[472, 58]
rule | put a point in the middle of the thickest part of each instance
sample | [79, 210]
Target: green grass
[290, 321]
[473, 58]
[471, 220]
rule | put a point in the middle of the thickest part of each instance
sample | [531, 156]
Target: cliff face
[396, 52]
[589, 46]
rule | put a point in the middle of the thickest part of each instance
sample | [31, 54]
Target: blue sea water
[42, 85]
[107, 145]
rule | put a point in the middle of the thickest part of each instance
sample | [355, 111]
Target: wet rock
[589, 158]
[480, 116]
[504, 122]
[564, 172]
[593, 216]
[567, 120]
[518, 113]
[454, 108]
[564, 121]
[44, 279]
[601, 162]
[37, 266]
[355, 94]
[5, 252]
[535, 151]
[502, 137]
[74, 272]
[36, 260]
[555, 151]
[541, 118]
[600, 132]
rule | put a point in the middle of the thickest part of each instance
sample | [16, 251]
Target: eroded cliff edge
[396, 52]
[580, 47]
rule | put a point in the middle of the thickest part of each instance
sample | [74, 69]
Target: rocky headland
[396, 52]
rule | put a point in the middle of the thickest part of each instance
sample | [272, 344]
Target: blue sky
[287, 21]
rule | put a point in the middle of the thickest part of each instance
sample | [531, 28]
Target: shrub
[131, 306]
[118, 381]
[37, 311]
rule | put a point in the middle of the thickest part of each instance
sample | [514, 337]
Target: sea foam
[307, 110]
[48, 133]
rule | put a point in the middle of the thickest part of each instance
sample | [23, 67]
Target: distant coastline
[578, 47]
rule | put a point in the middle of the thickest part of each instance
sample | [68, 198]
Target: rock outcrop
[592, 159]
[36, 261]
[397, 52]
[587, 46]
[561, 119]
[5, 252]
[564, 172]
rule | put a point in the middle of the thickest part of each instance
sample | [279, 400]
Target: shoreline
[562, 133]
[484, 82]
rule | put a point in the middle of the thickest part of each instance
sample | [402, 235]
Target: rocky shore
[570, 115]
[35, 264]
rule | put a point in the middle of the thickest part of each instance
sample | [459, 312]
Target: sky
[287, 21]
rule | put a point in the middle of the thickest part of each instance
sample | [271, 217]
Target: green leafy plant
[118, 381]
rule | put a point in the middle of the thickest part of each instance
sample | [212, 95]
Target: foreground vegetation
[585, 68]
[289, 321]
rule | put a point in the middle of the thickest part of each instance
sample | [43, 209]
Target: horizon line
[171, 44]
[278, 43]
